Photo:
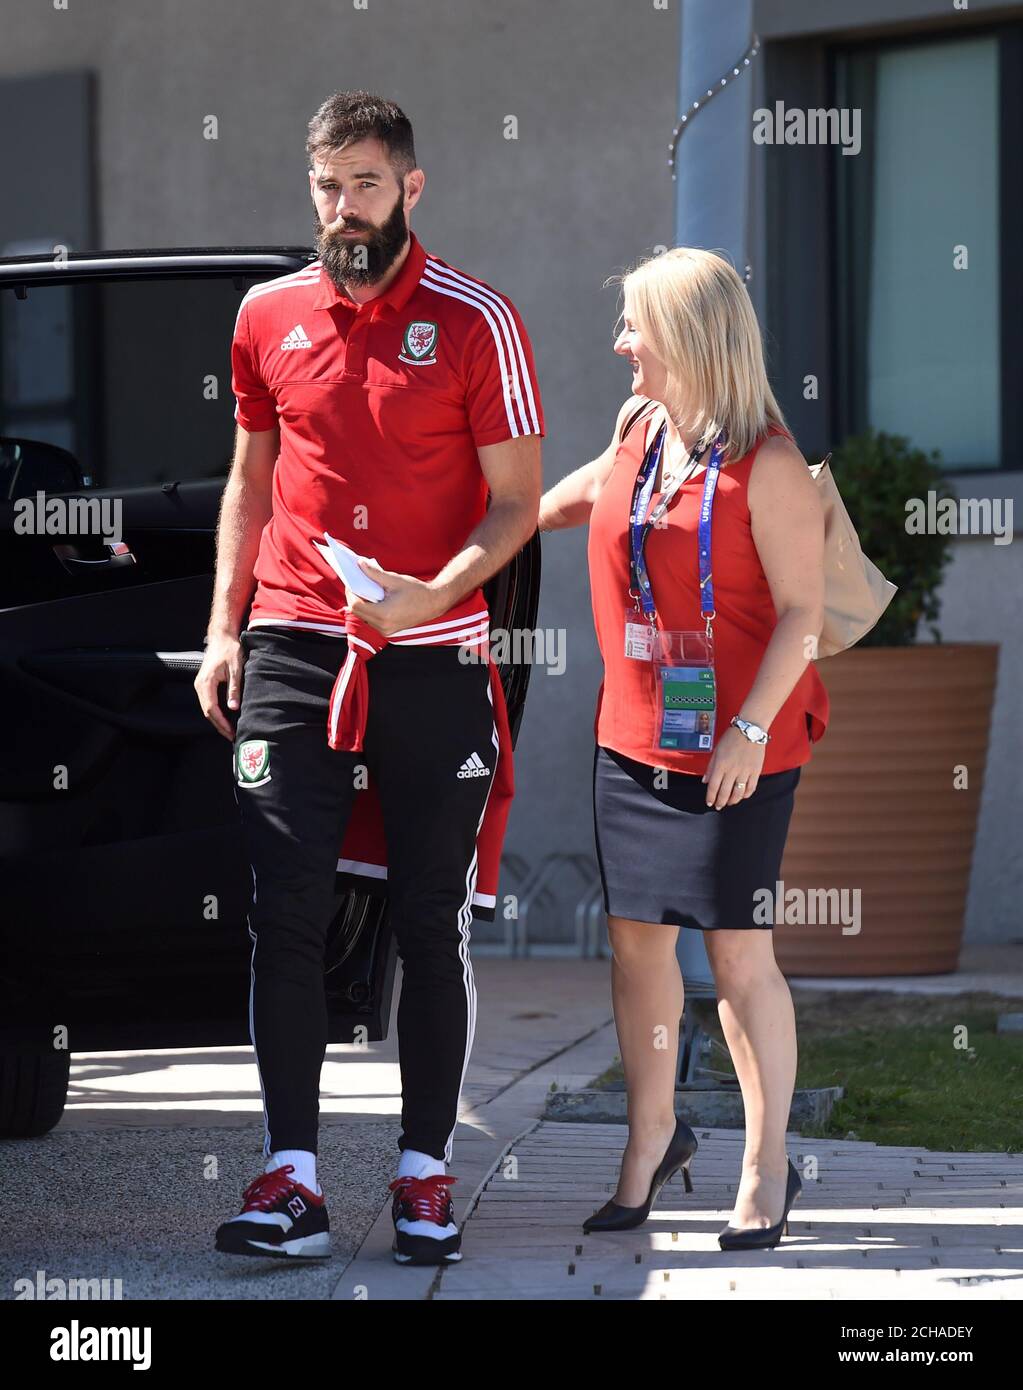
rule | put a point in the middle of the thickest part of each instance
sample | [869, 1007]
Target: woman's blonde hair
[697, 317]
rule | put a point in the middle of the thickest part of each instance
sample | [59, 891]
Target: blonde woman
[707, 710]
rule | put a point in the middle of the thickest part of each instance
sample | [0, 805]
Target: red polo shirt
[381, 408]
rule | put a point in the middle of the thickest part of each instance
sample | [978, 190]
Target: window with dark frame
[926, 287]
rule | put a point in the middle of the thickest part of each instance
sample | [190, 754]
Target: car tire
[33, 1091]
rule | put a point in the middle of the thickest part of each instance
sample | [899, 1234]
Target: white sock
[414, 1164]
[304, 1164]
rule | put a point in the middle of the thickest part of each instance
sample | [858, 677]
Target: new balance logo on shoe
[474, 767]
[296, 339]
[279, 1218]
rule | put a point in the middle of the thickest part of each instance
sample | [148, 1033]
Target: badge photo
[252, 762]
[419, 343]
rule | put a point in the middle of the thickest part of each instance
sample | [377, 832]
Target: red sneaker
[424, 1221]
[279, 1217]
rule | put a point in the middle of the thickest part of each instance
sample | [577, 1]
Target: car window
[131, 377]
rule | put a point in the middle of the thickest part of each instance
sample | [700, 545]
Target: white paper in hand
[346, 564]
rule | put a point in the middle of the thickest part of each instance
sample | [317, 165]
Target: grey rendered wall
[581, 193]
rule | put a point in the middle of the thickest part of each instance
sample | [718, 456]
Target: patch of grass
[611, 1079]
[922, 1070]
[926, 1071]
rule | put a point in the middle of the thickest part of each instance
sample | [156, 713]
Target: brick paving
[872, 1222]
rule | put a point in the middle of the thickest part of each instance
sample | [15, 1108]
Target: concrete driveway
[155, 1148]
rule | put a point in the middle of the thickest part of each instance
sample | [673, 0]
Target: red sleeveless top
[746, 616]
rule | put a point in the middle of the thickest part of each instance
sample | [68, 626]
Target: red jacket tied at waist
[363, 855]
[349, 700]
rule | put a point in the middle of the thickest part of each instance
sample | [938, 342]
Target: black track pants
[428, 714]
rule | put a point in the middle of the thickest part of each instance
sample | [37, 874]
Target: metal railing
[540, 891]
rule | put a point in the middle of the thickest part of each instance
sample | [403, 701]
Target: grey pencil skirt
[666, 856]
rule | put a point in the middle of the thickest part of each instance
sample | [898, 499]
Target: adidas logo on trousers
[474, 767]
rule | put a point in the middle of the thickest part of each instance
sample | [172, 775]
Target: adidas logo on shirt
[474, 767]
[296, 339]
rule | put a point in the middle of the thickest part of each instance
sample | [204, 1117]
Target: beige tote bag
[856, 593]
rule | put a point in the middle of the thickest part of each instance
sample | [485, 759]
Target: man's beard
[356, 262]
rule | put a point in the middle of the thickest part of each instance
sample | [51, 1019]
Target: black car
[125, 887]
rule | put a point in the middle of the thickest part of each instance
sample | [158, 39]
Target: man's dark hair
[349, 116]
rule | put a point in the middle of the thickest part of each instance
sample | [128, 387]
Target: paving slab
[876, 1222]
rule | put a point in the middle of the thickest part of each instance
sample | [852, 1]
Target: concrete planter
[878, 809]
[721, 1109]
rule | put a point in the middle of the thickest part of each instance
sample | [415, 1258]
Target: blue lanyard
[639, 528]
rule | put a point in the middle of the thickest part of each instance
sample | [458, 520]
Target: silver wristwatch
[753, 732]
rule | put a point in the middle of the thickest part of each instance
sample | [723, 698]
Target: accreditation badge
[639, 636]
[685, 690]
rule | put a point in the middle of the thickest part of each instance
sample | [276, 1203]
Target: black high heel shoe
[679, 1154]
[764, 1237]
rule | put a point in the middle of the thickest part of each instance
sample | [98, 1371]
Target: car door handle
[118, 556]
